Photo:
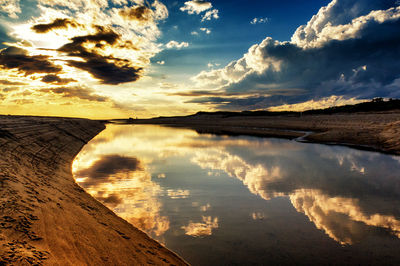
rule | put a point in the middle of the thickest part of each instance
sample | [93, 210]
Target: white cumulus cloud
[206, 30]
[211, 14]
[11, 7]
[259, 20]
[177, 45]
[347, 49]
[198, 7]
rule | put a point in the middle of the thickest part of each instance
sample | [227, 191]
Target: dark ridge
[375, 105]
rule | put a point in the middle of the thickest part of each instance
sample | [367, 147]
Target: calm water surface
[218, 200]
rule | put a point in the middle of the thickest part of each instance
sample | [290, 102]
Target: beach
[45, 217]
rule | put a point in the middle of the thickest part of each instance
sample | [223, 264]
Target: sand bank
[45, 217]
[377, 131]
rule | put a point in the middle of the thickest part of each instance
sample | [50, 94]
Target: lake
[221, 200]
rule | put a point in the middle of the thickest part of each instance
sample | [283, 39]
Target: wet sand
[376, 131]
[45, 217]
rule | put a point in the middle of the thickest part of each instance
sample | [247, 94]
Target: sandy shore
[45, 217]
[377, 131]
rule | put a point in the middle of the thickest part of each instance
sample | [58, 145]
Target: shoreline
[375, 131]
[299, 136]
[45, 217]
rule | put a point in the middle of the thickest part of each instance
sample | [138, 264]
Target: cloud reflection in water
[203, 228]
[344, 192]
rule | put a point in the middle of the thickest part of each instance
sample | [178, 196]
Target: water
[218, 200]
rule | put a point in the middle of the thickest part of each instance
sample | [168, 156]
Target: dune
[45, 217]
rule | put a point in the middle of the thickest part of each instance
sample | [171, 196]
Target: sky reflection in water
[217, 199]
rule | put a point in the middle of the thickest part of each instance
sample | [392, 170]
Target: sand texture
[377, 131]
[45, 217]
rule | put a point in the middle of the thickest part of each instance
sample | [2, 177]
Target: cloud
[322, 103]
[161, 62]
[259, 20]
[108, 73]
[108, 69]
[107, 39]
[197, 7]
[145, 14]
[17, 58]
[106, 166]
[76, 92]
[138, 202]
[11, 7]
[211, 65]
[9, 89]
[348, 49]
[340, 195]
[344, 19]
[206, 30]
[177, 45]
[22, 101]
[8, 82]
[56, 80]
[112, 200]
[178, 193]
[140, 13]
[211, 14]
[341, 218]
[203, 228]
[56, 24]
[234, 103]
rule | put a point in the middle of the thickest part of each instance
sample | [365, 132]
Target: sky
[136, 58]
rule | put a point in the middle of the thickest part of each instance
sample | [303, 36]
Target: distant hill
[376, 105]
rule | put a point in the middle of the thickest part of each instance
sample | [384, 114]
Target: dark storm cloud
[230, 102]
[17, 58]
[76, 46]
[200, 93]
[322, 62]
[108, 73]
[108, 69]
[243, 103]
[343, 62]
[56, 24]
[77, 92]
[103, 169]
[56, 80]
[363, 67]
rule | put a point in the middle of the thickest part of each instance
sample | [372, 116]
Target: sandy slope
[45, 217]
[380, 131]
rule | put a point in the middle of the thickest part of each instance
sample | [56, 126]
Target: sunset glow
[120, 58]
